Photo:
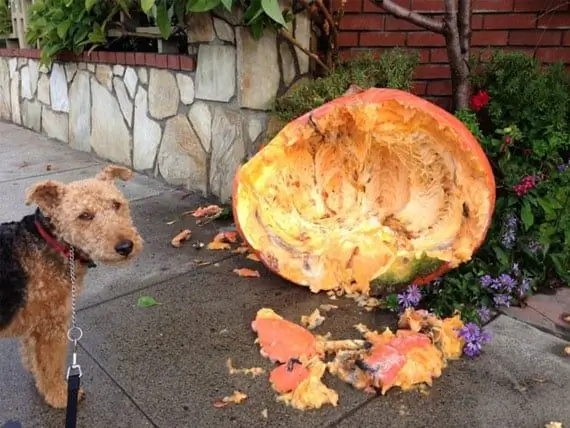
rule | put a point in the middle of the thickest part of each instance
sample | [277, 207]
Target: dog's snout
[124, 248]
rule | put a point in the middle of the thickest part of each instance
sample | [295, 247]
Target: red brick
[121, 58]
[428, 6]
[130, 58]
[443, 102]
[382, 38]
[549, 55]
[561, 20]
[529, 5]
[350, 6]
[109, 57]
[370, 6]
[489, 38]
[346, 39]
[187, 63]
[394, 24]
[3, 52]
[439, 87]
[492, 5]
[476, 22]
[510, 21]
[566, 38]
[161, 61]
[438, 55]
[535, 38]
[432, 72]
[425, 38]
[362, 22]
[419, 88]
[95, 57]
[424, 55]
[139, 58]
[173, 62]
[150, 59]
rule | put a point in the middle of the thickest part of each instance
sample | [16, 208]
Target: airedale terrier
[93, 218]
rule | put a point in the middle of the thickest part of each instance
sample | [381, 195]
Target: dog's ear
[46, 195]
[111, 172]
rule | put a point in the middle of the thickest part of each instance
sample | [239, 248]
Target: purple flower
[562, 167]
[486, 281]
[474, 338]
[484, 314]
[507, 282]
[509, 236]
[524, 286]
[515, 270]
[411, 297]
[502, 300]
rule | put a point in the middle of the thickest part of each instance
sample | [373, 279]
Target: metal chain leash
[74, 334]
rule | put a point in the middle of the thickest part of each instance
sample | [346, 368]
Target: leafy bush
[64, 25]
[521, 115]
[5, 17]
[76, 25]
[393, 69]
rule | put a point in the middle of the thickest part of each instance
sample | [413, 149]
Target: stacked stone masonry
[155, 113]
[539, 27]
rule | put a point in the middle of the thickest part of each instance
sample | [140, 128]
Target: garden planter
[371, 191]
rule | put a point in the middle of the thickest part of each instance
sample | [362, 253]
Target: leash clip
[74, 369]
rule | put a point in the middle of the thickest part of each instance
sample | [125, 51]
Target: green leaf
[560, 262]
[501, 255]
[146, 302]
[228, 4]
[162, 20]
[62, 29]
[179, 11]
[89, 4]
[146, 5]
[526, 215]
[201, 5]
[273, 10]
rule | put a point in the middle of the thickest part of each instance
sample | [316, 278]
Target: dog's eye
[86, 216]
[117, 206]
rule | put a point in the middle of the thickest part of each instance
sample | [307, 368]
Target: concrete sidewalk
[164, 366]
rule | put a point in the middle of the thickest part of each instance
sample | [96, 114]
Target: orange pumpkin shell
[379, 188]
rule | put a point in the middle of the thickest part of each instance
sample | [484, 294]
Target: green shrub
[393, 69]
[5, 17]
[525, 131]
[72, 26]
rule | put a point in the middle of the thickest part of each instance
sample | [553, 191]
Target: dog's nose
[124, 248]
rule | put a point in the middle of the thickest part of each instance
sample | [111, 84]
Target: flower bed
[520, 112]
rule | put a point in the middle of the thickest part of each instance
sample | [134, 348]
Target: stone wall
[159, 114]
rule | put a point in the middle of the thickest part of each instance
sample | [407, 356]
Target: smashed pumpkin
[376, 188]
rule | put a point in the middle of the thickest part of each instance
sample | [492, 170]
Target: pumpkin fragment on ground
[375, 189]
[406, 358]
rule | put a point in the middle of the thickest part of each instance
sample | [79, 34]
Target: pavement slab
[159, 260]
[171, 358]
[546, 312]
[521, 381]
[106, 405]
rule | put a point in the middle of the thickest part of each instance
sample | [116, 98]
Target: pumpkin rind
[412, 194]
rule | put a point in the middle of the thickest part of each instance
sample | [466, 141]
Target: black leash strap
[73, 382]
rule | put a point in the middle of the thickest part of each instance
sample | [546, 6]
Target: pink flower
[479, 100]
[525, 185]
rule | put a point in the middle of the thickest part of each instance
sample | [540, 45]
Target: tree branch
[287, 36]
[410, 16]
[459, 67]
[464, 25]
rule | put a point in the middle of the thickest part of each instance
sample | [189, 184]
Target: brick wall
[520, 25]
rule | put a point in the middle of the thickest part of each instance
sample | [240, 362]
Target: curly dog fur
[93, 218]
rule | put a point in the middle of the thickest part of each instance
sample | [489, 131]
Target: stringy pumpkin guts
[379, 188]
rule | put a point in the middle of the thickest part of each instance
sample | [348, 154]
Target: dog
[90, 218]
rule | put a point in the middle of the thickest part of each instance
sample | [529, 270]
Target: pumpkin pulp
[379, 188]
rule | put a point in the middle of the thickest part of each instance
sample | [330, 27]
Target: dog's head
[91, 214]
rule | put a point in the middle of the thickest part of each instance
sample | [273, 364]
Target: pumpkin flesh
[380, 188]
